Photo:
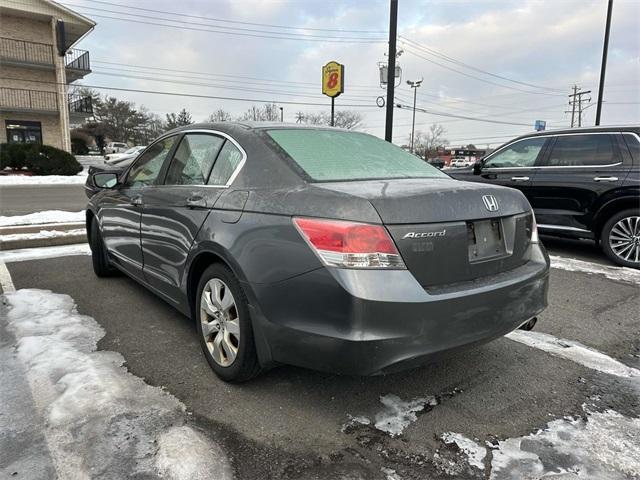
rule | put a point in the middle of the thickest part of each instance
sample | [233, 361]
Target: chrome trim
[539, 167]
[605, 179]
[562, 227]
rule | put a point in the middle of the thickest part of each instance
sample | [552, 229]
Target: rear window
[328, 155]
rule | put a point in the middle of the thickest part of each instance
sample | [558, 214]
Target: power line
[192, 95]
[479, 78]
[220, 29]
[444, 114]
[211, 19]
[471, 67]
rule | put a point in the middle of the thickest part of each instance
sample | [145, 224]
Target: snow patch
[575, 352]
[80, 179]
[605, 445]
[47, 216]
[398, 414]
[99, 418]
[185, 454]
[25, 254]
[622, 274]
[42, 234]
[474, 451]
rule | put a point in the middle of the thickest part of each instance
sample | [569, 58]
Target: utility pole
[603, 67]
[576, 102]
[391, 71]
[415, 86]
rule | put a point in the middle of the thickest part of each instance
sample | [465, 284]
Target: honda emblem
[490, 203]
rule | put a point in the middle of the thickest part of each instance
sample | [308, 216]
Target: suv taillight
[534, 228]
[350, 244]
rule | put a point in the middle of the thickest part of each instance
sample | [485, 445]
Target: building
[471, 154]
[37, 61]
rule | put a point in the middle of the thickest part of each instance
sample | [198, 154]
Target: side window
[520, 154]
[193, 159]
[583, 151]
[147, 167]
[227, 162]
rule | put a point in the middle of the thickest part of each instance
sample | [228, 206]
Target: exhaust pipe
[529, 325]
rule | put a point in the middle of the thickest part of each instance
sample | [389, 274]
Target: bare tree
[426, 143]
[349, 119]
[269, 112]
[219, 115]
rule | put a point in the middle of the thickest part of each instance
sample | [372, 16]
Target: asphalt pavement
[290, 423]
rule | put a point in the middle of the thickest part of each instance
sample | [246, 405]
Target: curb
[60, 227]
[42, 242]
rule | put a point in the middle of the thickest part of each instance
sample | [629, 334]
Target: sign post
[332, 83]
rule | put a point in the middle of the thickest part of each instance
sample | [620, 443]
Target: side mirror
[477, 167]
[105, 180]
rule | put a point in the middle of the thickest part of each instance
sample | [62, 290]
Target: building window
[19, 131]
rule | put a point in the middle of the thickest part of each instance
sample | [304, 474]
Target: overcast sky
[507, 61]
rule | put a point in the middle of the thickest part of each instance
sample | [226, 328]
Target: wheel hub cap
[624, 239]
[220, 322]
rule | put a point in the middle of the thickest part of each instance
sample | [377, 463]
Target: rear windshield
[329, 155]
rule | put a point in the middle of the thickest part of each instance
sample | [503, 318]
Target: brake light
[350, 244]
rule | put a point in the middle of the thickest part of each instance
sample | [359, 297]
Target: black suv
[581, 183]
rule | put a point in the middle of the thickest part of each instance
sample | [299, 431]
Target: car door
[121, 207]
[573, 178]
[175, 211]
[513, 165]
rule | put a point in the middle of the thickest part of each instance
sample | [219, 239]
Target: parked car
[582, 183]
[317, 247]
[115, 147]
[460, 162]
[436, 162]
[111, 157]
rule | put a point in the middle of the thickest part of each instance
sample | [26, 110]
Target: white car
[131, 151]
[460, 162]
[115, 147]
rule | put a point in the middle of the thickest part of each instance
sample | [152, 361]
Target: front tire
[99, 257]
[620, 238]
[224, 325]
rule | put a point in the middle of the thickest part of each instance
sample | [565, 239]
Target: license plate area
[485, 240]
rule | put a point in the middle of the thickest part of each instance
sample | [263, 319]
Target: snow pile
[48, 216]
[80, 178]
[475, 453]
[42, 234]
[623, 274]
[25, 254]
[604, 446]
[100, 419]
[575, 352]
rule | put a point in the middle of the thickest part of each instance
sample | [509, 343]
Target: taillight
[350, 244]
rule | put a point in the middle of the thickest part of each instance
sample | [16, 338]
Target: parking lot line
[6, 284]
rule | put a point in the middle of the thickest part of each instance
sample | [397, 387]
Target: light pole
[415, 86]
[281, 114]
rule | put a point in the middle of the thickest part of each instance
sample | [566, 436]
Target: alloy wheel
[624, 238]
[220, 322]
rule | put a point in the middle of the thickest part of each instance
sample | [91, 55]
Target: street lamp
[415, 86]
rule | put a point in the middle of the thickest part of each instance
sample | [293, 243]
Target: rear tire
[224, 326]
[100, 258]
[620, 238]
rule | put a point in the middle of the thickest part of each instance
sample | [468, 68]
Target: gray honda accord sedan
[317, 247]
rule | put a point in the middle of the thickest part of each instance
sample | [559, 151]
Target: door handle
[136, 201]
[605, 179]
[519, 179]
[196, 201]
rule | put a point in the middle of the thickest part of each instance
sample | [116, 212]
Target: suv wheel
[620, 238]
[224, 325]
[99, 257]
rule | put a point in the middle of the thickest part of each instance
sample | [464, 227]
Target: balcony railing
[26, 52]
[76, 61]
[15, 99]
[79, 105]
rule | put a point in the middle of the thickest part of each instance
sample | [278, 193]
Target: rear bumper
[366, 322]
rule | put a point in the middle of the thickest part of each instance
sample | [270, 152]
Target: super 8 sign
[333, 79]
